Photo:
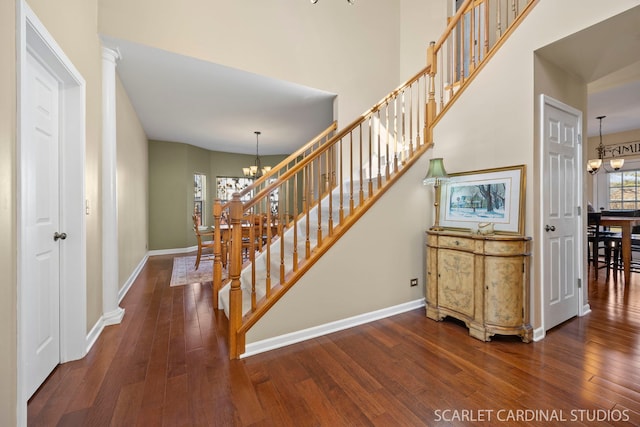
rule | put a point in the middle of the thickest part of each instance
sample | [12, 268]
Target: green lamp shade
[436, 172]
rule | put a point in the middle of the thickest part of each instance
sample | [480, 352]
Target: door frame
[33, 37]
[583, 304]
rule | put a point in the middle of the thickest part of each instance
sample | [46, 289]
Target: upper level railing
[326, 186]
[472, 36]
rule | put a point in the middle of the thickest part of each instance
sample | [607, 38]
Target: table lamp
[436, 175]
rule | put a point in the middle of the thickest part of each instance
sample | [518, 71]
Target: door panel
[561, 220]
[42, 273]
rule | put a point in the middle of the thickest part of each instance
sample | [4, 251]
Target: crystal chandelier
[256, 171]
[593, 165]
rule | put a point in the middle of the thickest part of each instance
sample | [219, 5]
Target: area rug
[184, 271]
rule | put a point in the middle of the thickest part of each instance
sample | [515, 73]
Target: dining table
[626, 224]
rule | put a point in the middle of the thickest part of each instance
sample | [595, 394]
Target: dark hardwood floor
[167, 365]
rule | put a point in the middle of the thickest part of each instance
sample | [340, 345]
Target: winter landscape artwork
[490, 195]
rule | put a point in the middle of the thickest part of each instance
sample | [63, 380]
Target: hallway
[167, 365]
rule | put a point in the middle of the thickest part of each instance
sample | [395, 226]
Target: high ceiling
[183, 99]
[606, 56]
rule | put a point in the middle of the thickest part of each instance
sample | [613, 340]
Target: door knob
[60, 236]
[550, 228]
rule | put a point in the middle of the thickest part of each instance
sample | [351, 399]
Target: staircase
[281, 252]
[316, 194]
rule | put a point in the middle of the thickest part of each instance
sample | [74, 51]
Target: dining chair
[603, 245]
[202, 243]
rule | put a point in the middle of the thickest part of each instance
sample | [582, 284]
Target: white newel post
[112, 314]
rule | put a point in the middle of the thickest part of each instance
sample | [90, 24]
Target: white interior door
[561, 192]
[41, 277]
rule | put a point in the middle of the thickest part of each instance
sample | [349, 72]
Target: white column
[111, 313]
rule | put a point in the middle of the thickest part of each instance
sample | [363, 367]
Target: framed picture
[485, 196]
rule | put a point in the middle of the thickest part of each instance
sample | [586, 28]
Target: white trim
[582, 309]
[112, 313]
[132, 278]
[104, 321]
[317, 331]
[32, 36]
[173, 251]
[539, 334]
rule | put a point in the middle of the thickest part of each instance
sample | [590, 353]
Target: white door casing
[561, 220]
[34, 42]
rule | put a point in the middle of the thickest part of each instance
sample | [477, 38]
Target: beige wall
[349, 50]
[422, 23]
[133, 187]
[500, 118]
[78, 39]
[8, 291]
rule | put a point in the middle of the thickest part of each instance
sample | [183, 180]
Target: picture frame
[471, 200]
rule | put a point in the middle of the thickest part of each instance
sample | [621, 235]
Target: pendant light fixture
[256, 170]
[593, 165]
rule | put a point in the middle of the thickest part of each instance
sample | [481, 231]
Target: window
[623, 190]
[199, 197]
[227, 185]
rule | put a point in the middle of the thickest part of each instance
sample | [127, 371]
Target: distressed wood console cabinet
[480, 280]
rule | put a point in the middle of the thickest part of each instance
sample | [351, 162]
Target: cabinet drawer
[455, 242]
[505, 248]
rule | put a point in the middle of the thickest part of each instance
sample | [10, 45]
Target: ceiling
[183, 99]
[607, 57]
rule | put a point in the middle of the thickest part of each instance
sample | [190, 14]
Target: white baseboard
[115, 317]
[539, 334]
[132, 278]
[173, 251]
[94, 333]
[316, 331]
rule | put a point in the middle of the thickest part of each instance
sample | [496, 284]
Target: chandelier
[256, 171]
[348, 1]
[593, 165]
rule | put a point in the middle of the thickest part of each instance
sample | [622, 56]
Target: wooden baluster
[431, 102]
[295, 223]
[486, 28]
[387, 160]
[236, 340]
[351, 168]
[498, 20]
[328, 176]
[361, 166]
[341, 189]
[252, 257]
[395, 134]
[267, 283]
[379, 152]
[307, 191]
[402, 149]
[319, 210]
[472, 38]
[217, 251]
[371, 171]
[411, 141]
[418, 108]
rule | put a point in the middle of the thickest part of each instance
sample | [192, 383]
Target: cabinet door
[503, 294]
[455, 281]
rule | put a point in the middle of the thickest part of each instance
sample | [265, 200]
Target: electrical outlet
[414, 282]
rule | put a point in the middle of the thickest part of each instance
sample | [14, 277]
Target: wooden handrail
[322, 189]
